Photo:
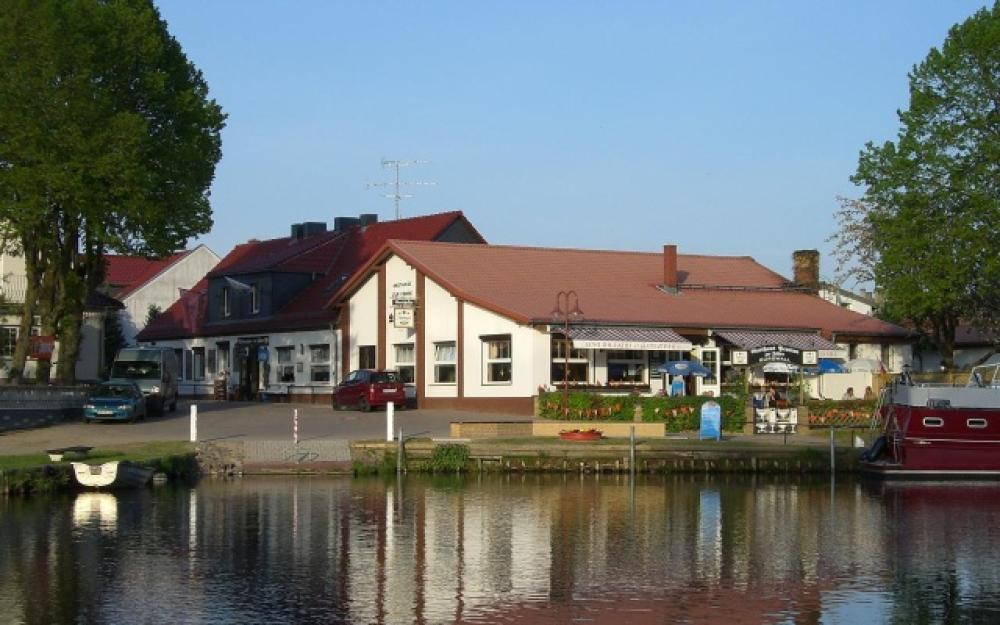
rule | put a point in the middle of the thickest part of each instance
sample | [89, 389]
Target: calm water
[535, 549]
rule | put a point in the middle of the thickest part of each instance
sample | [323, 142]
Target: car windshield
[136, 370]
[114, 390]
[385, 376]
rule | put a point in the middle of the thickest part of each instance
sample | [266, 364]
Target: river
[506, 549]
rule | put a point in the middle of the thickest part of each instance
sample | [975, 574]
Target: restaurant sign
[629, 345]
[782, 353]
[402, 317]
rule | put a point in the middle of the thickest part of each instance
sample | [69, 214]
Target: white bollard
[390, 410]
[295, 426]
[194, 423]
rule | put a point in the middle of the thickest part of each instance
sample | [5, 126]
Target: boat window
[938, 403]
[933, 422]
[976, 423]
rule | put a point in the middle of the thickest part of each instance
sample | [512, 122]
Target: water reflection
[517, 549]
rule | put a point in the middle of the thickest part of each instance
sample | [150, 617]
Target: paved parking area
[242, 421]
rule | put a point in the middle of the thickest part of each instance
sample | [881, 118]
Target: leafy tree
[152, 313]
[932, 197]
[108, 142]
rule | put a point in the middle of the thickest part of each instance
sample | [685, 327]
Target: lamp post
[567, 307]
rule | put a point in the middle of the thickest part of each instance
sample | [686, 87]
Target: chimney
[367, 219]
[343, 223]
[297, 231]
[310, 228]
[670, 267]
[805, 269]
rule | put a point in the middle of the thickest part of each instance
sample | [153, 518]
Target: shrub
[449, 457]
[679, 413]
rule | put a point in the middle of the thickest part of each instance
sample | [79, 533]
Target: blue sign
[262, 353]
[711, 421]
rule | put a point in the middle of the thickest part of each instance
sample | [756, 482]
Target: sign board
[630, 345]
[711, 421]
[41, 347]
[402, 295]
[739, 357]
[809, 358]
[776, 353]
[262, 354]
[402, 318]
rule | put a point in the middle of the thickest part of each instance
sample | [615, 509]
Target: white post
[194, 423]
[295, 425]
[389, 414]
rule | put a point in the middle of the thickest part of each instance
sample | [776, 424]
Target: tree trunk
[23, 344]
[48, 313]
[944, 338]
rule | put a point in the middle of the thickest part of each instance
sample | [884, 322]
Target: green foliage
[114, 340]
[108, 141]
[679, 413]
[451, 457]
[587, 407]
[828, 412]
[152, 313]
[932, 197]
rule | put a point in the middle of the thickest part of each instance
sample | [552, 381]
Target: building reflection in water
[538, 549]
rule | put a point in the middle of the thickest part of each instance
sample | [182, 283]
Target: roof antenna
[396, 196]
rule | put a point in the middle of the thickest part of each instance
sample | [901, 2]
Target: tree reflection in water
[516, 549]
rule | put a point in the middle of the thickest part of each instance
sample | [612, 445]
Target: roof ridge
[415, 217]
[578, 249]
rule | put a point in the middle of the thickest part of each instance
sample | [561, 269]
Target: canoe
[115, 474]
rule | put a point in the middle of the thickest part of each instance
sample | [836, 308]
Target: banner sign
[630, 345]
[740, 357]
[41, 347]
[711, 421]
[776, 353]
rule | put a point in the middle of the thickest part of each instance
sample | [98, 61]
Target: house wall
[364, 319]
[524, 382]
[163, 290]
[89, 365]
[440, 310]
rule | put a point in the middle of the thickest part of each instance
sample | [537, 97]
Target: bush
[587, 407]
[840, 413]
[679, 413]
[449, 458]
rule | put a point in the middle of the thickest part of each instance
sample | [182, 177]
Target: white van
[154, 369]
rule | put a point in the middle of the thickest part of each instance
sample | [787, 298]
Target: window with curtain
[405, 360]
[497, 361]
[445, 369]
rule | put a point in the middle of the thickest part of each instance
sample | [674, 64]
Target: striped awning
[627, 337]
[803, 341]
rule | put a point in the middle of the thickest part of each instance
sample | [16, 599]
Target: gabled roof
[332, 256]
[125, 274]
[625, 288]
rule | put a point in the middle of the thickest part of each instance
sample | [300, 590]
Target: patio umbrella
[826, 365]
[684, 367]
[869, 365]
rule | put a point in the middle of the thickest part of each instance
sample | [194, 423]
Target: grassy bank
[31, 473]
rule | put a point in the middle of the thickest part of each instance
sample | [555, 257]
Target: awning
[627, 337]
[801, 341]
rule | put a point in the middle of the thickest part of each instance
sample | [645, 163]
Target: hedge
[830, 412]
[679, 413]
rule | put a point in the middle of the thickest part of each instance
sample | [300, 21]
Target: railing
[13, 288]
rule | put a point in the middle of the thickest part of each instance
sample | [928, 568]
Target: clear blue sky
[723, 127]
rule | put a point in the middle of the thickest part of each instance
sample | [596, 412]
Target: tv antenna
[396, 195]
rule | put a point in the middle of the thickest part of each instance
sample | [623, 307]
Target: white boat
[115, 474]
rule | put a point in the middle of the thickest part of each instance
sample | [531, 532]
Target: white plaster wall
[833, 385]
[478, 322]
[440, 311]
[541, 359]
[397, 271]
[164, 289]
[363, 318]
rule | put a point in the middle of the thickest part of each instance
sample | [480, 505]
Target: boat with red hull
[939, 430]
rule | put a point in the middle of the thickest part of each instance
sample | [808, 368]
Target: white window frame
[285, 365]
[318, 364]
[11, 342]
[227, 309]
[254, 299]
[489, 359]
[442, 364]
[577, 356]
[408, 364]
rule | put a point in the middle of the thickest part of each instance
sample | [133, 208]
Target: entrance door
[245, 357]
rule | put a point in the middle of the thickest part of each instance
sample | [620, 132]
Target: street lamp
[567, 307]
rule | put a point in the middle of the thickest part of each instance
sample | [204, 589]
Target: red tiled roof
[125, 274]
[333, 255]
[624, 287]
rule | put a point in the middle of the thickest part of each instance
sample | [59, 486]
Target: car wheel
[173, 406]
[364, 405]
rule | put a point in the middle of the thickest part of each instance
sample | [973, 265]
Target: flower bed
[832, 413]
[679, 413]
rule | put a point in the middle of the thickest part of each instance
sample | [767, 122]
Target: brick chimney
[805, 269]
[670, 267]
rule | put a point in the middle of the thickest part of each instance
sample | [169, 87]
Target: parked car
[115, 401]
[369, 388]
[156, 371]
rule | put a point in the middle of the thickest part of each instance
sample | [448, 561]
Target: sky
[725, 128]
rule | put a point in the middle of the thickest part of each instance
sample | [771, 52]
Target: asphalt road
[242, 420]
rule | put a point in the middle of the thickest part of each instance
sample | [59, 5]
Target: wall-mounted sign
[402, 295]
[402, 318]
[41, 347]
[629, 345]
[809, 357]
[262, 354]
[739, 357]
[776, 353]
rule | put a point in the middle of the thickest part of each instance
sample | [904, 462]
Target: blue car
[115, 401]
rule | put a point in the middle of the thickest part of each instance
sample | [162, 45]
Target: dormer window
[254, 299]
[226, 309]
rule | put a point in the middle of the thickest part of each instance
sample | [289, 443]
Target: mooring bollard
[295, 425]
[389, 416]
[194, 423]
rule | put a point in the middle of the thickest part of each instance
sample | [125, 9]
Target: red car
[367, 388]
